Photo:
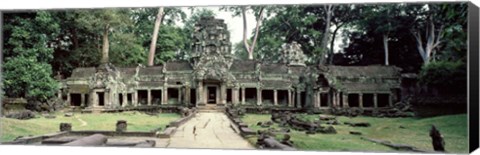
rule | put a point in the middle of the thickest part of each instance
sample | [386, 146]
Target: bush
[446, 76]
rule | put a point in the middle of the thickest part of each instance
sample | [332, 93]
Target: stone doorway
[212, 95]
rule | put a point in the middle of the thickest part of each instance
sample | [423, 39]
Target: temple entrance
[211, 95]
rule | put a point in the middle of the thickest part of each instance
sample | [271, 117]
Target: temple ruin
[213, 77]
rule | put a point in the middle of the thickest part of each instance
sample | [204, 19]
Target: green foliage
[126, 50]
[448, 76]
[171, 42]
[27, 72]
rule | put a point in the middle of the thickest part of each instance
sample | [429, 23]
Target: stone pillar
[243, 95]
[125, 99]
[149, 97]
[337, 97]
[165, 95]
[360, 100]
[375, 103]
[187, 95]
[199, 93]
[345, 100]
[299, 99]
[275, 97]
[390, 100]
[223, 94]
[82, 100]
[235, 95]
[106, 97]
[329, 100]
[135, 98]
[290, 98]
[259, 96]
[69, 99]
[319, 99]
[179, 95]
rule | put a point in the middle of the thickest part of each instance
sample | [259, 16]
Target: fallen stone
[328, 130]
[360, 124]
[69, 114]
[355, 133]
[50, 116]
[65, 127]
[92, 140]
[326, 118]
[22, 115]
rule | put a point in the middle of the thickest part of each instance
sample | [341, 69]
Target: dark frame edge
[473, 69]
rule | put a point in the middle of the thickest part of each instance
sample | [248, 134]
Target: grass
[12, 128]
[415, 133]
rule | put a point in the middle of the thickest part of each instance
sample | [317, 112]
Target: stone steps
[208, 109]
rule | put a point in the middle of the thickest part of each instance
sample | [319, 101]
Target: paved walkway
[212, 130]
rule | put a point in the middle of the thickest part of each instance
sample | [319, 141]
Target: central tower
[211, 61]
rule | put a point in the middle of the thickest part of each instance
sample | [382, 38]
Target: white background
[62, 4]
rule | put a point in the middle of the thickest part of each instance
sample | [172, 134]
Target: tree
[158, 21]
[104, 21]
[258, 12]
[28, 52]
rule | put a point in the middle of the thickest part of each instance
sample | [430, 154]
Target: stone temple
[212, 77]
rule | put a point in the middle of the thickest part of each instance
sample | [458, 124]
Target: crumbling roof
[151, 70]
[128, 72]
[243, 66]
[364, 71]
[178, 66]
[77, 88]
[83, 72]
[274, 68]
[275, 84]
[297, 69]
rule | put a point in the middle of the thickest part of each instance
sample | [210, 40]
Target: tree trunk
[153, 43]
[332, 43]
[245, 41]
[385, 46]
[257, 29]
[326, 33]
[105, 45]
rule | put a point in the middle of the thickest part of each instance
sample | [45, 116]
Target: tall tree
[258, 12]
[383, 19]
[104, 21]
[153, 44]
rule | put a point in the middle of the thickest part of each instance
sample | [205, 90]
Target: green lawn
[12, 128]
[415, 133]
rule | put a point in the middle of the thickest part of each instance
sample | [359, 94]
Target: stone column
[319, 99]
[360, 100]
[187, 95]
[375, 103]
[299, 99]
[69, 99]
[337, 97]
[243, 95]
[345, 100]
[149, 97]
[125, 99]
[290, 98]
[135, 98]
[165, 94]
[235, 95]
[179, 97]
[82, 100]
[259, 96]
[329, 100]
[390, 99]
[223, 93]
[199, 93]
[106, 97]
[275, 97]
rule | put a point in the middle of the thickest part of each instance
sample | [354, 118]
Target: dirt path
[212, 130]
[81, 121]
